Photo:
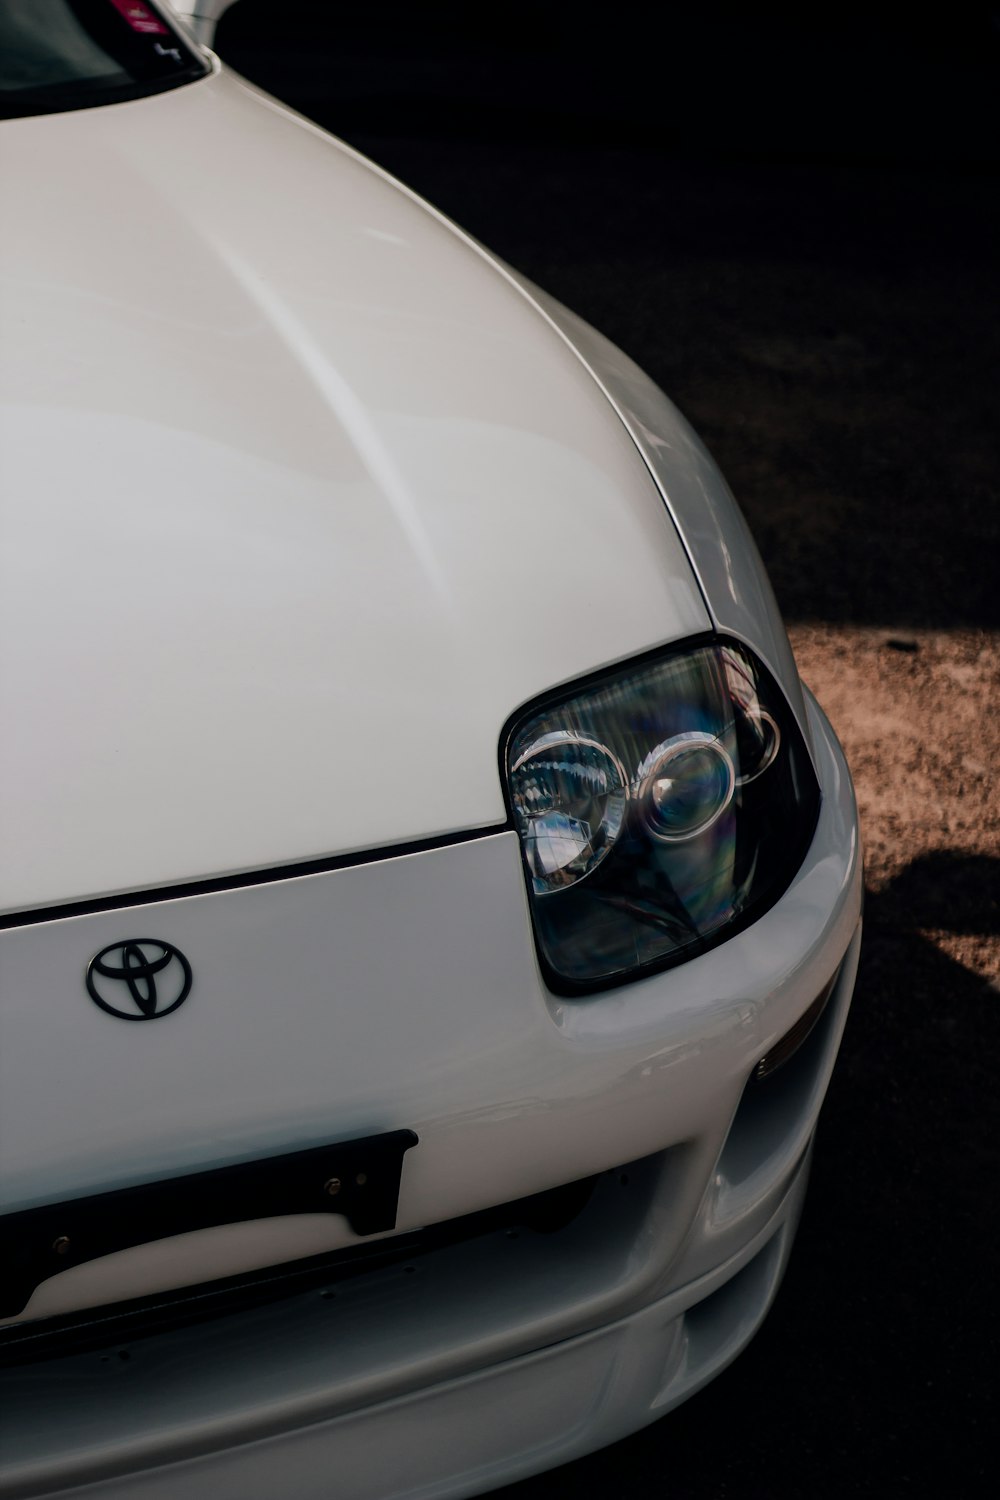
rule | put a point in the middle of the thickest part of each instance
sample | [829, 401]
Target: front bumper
[442, 1378]
[452, 1436]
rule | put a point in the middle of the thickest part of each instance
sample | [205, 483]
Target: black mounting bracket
[359, 1179]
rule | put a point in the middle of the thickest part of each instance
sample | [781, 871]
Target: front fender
[710, 524]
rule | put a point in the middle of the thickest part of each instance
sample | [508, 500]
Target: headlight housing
[659, 807]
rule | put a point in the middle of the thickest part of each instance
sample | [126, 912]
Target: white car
[397, 715]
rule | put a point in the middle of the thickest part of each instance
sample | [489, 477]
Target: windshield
[69, 54]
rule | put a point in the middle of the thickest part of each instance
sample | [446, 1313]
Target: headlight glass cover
[660, 808]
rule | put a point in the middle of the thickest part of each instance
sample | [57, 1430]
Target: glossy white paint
[260, 1409]
[377, 997]
[301, 499]
[303, 495]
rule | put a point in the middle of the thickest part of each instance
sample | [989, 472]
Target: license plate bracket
[359, 1179]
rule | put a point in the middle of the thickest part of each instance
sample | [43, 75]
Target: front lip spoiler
[359, 1179]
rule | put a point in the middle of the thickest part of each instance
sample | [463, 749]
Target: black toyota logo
[154, 975]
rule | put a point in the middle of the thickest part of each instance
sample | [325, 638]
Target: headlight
[570, 797]
[659, 808]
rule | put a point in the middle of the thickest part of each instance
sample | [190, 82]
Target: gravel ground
[826, 314]
[917, 715]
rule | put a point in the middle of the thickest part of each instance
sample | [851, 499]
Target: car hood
[302, 497]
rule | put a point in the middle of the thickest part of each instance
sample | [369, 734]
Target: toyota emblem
[155, 976]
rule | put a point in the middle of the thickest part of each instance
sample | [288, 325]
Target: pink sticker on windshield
[140, 18]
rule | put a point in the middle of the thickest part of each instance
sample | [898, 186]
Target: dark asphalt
[793, 227]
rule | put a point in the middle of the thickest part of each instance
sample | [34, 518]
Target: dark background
[791, 223]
